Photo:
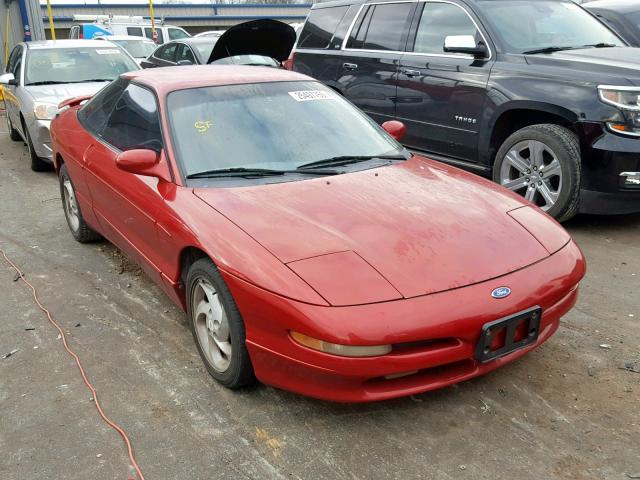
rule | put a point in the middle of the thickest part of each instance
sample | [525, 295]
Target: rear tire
[80, 230]
[37, 164]
[543, 164]
[13, 133]
[217, 326]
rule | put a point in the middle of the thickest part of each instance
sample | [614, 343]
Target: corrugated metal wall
[184, 15]
[16, 31]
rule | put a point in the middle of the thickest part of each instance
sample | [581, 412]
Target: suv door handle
[350, 66]
[411, 73]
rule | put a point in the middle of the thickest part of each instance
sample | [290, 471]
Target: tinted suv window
[135, 31]
[320, 26]
[438, 21]
[134, 123]
[93, 115]
[385, 30]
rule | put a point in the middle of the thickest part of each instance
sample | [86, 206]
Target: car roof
[45, 44]
[124, 37]
[167, 79]
[194, 40]
[618, 6]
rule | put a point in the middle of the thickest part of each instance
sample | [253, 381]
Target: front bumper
[606, 157]
[39, 130]
[435, 335]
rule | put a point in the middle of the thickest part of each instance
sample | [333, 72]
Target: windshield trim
[170, 148]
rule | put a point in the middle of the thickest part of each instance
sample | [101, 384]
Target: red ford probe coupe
[309, 248]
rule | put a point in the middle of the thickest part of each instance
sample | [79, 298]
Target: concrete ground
[569, 410]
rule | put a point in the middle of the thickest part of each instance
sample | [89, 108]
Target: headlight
[627, 99]
[342, 350]
[45, 111]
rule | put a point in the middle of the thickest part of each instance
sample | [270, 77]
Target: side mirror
[395, 128]
[147, 64]
[184, 62]
[465, 44]
[8, 79]
[142, 161]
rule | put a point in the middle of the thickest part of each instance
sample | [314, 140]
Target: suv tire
[531, 152]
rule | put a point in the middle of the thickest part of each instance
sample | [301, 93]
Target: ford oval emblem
[501, 292]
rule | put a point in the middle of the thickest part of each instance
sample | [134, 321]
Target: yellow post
[51, 27]
[153, 22]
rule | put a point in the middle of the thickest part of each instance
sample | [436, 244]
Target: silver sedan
[40, 75]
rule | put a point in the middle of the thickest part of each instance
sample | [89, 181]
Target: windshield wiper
[44, 82]
[601, 45]
[88, 80]
[254, 172]
[346, 160]
[548, 50]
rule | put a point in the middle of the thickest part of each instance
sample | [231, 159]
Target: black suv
[538, 94]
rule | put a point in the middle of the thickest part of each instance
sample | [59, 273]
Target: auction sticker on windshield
[111, 51]
[307, 95]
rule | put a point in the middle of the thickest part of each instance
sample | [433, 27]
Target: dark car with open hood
[540, 95]
[263, 42]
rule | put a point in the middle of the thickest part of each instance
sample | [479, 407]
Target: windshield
[525, 26]
[269, 125]
[75, 65]
[137, 48]
[204, 49]
[248, 60]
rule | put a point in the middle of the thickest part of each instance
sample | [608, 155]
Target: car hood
[405, 230]
[614, 64]
[58, 93]
[266, 37]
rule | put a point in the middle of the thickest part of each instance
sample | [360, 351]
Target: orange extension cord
[111, 423]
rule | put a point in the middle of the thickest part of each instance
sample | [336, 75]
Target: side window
[134, 122]
[384, 27]
[75, 32]
[135, 31]
[438, 21]
[93, 115]
[13, 58]
[185, 53]
[149, 34]
[356, 39]
[168, 53]
[320, 27]
[17, 65]
[176, 33]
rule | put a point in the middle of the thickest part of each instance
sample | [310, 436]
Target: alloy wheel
[211, 325]
[533, 170]
[71, 206]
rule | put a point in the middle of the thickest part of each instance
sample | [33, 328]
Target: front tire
[13, 133]
[37, 164]
[80, 230]
[217, 326]
[543, 164]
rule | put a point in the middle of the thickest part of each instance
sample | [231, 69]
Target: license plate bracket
[512, 325]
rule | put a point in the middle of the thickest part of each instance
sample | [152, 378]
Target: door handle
[411, 73]
[350, 66]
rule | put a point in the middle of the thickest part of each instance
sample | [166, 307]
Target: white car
[42, 74]
[138, 47]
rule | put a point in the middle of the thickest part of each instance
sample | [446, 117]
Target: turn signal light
[341, 350]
